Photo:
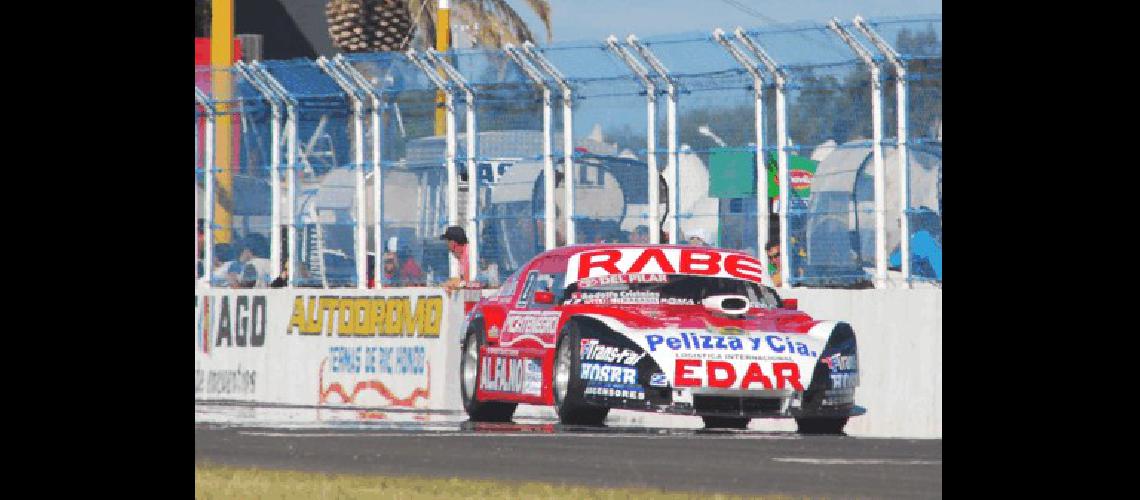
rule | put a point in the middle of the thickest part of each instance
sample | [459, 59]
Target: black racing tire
[712, 422]
[828, 425]
[478, 411]
[569, 403]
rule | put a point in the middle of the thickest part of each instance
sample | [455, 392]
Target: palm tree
[393, 25]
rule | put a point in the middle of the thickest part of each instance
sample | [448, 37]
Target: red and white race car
[663, 328]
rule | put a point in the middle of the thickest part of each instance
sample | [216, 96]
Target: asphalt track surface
[694, 460]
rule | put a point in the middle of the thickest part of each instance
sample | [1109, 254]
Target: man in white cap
[698, 237]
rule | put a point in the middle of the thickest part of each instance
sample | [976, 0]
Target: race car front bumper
[751, 404]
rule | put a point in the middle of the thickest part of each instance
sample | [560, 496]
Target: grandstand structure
[825, 137]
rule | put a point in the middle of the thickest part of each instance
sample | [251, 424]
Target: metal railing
[817, 142]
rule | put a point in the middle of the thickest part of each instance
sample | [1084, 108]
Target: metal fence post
[274, 165]
[876, 150]
[449, 154]
[291, 163]
[359, 228]
[781, 145]
[904, 157]
[377, 178]
[753, 69]
[472, 170]
[650, 134]
[208, 166]
[567, 136]
[547, 156]
[673, 162]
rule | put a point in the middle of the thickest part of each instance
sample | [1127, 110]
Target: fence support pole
[650, 134]
[377, 178]
[531, 72]
[781, 148]
[472, 170]
[753, 69]
[274, 166]
[567, 136]
[291, 163]
[359, 228]
[876, 149]
[208, 166]
[449, 154]
[904, 155]
[673, 162]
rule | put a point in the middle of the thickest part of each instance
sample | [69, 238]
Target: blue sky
[597, 19]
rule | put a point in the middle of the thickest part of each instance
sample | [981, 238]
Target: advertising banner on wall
[384, 349]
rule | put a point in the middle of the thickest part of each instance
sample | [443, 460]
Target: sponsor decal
[622, 279]
[537, 325]
[603, 372]
[658, 380]
[841, 363]
[225, 382]
[356, 375]
[844, 370]
[594, 351]
[630, 261]
[625, 297]
[724, 375]
[221, 323]
[615, 391]
[393, 316]
[400, 360]
[801, 179]
[505, 374]
[611, 381]
[202, 324]
[774, 343]
[528, 287]
[844, 380]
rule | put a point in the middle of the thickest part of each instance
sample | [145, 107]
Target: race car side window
[546, 282]
[508, 287]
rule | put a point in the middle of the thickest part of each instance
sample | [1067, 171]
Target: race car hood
[778, 350]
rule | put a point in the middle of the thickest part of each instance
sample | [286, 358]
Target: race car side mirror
[541, 297]
[793, 304]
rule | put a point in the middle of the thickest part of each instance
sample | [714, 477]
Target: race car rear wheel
[568, 387]
[726, 422]
[833, 425]
[478, 411]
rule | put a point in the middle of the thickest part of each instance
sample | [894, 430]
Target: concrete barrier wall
[399, 349]
[900, 356]
[395, 348]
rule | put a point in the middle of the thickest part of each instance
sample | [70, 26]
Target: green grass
[211, 481]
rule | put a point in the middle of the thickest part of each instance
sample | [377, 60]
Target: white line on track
[857, 461]
[506, 434]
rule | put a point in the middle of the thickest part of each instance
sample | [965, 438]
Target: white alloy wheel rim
[562, 371]
[470, 367]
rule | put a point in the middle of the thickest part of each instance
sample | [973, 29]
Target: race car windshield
[668, 289]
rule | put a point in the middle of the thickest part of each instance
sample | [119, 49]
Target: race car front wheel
[833, 425]
[568, 387]
[479, 411]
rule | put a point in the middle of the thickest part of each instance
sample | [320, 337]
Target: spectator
[640, 235]
[773, 251]
[223, 260]
[699, 237]
[253, 267]
[394, 274]
[283, 280]
[488, 272]
[457, 244]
